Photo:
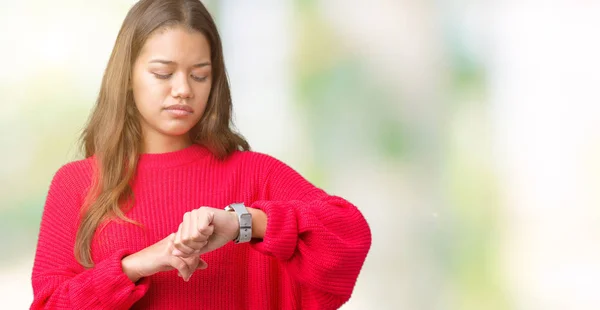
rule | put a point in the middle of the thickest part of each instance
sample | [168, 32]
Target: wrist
[259, 223]
[127, 264]
[237, 224]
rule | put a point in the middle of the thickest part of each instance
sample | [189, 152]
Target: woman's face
[171, 83]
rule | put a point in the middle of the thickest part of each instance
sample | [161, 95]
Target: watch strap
[245, 220]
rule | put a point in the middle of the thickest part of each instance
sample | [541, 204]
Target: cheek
[202, 93]
[148, 94]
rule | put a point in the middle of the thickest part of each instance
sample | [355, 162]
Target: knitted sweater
[310, 257]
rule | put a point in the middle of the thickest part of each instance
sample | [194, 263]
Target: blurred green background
[466, 131]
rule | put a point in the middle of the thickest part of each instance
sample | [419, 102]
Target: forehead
[176, 43]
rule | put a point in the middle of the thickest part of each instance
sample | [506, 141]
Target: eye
[199, 79]
[162, 76]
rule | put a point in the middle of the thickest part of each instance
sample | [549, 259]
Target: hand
[204, 230]
[158, 257]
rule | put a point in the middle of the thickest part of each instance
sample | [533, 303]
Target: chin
[176, 132]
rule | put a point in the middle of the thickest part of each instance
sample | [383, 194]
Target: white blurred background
[467, 132]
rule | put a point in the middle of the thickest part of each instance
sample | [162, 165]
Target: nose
[181, 87]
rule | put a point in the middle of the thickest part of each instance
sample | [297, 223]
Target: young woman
[147, 220]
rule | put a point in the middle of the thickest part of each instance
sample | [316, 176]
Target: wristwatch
[245, 219]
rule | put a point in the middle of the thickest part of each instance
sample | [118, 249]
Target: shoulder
[75, 174]
[267, 169]
[276, 179]
[68, 189]
[257, 161]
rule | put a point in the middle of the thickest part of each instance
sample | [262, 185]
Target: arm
[58, 280]
[321, 240]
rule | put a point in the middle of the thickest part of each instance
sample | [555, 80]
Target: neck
[162, 144]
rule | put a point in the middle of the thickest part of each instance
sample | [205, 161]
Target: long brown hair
[113, 133]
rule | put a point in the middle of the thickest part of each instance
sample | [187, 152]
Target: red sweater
[312, 252]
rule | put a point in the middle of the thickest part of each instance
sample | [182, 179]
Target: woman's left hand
[204, 230]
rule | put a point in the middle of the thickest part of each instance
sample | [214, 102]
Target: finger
[182, 267]
[194, 224]
[185, 228]
[178, 235]
[195, 262]
[205, 225]
[192, 261]
[180, 248]
[170, 242]
[207, 229]
[202, 230]
[196, 248]
[201, 264]
[170, 246]
[189, 235]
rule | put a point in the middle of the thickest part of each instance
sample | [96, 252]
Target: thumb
[195, 262]
[202, 264]
[182, 267]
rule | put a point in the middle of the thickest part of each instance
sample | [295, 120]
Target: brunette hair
[113, 133]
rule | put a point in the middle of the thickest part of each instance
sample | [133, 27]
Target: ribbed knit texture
[314, 247]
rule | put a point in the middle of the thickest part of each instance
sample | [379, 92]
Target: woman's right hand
[158, 257]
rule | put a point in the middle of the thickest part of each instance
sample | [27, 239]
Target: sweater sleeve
[58, 280]
[321, 240]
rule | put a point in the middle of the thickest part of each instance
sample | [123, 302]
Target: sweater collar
[172, 159]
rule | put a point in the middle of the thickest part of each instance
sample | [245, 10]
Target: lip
[180, 107]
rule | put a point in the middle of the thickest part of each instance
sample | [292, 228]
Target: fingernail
[176, 252]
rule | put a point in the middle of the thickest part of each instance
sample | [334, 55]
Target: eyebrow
[169, 62]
